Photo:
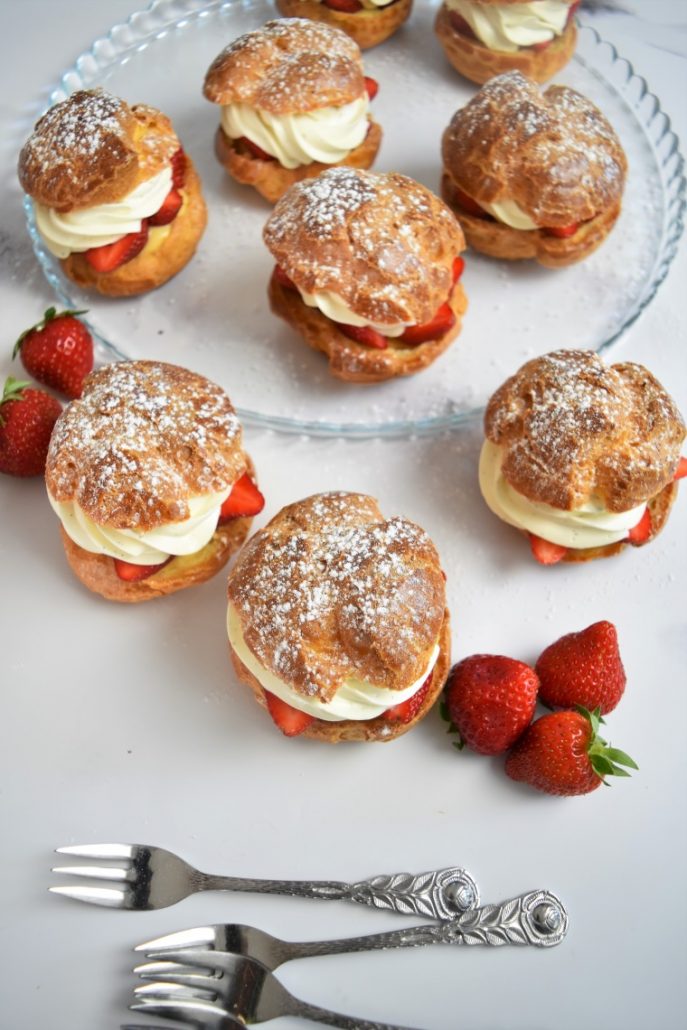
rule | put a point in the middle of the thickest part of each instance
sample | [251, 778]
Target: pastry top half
[144, 438]
[290, 66]
[94, 149]
[573, 429]
[551, 152]
[331, 589]
[382, 243]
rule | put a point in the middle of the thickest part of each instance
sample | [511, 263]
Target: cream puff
[337, 620]
[115, 196]
[582, 457]
[294, 101]
[148, 477]
[367, 271]
[483, 38]
[368, 22]
[531, 174]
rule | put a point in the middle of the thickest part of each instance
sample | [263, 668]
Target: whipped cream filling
[149, 548]
[333, 307]
[513, 26]
[510, 213]
[369, 5]
[591, 525]
[326, 135]
[355, 698]
[75, 231]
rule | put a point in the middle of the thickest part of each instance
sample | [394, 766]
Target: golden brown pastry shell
[271, 179]
[367, 28]
[355, 362]
[479, 63]
[380, 729]
[150, 269]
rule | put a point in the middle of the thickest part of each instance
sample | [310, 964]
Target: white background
[126, 723]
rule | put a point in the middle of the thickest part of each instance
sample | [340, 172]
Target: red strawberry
[561, 231]
[289, 720]
[245, 499]
[345, 6]
[468, 204]
[112, 255]
[371, 86]
[681, 470]
[443, 320]
[171, 206]
[573, 10]
[133, 573]
[58, 351]
[457, 269]
[541, 46]
[562, 754]
[282, 278]
[255, 150]
[27, 418]
[407, 710]
[363, 334]
[583, 668]
[640, 533]
[545, 552]
[490, 701]
[178, 163]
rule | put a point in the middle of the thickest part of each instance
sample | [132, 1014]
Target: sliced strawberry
[460, 25]
[457, 270]
[640, 533]
[562, 231]
[407, 710]
[573, 10]
[112, 255]
[289, 720]
[345, 6]
[245, 499]
[681, 470]
[171, 206]
[282, 278]
[372, 87]
[468, 204]
[133, 573]
[255, 150]
[545, 552]
[443, 320]
[363, 334]
[178, 163]
[541, 46]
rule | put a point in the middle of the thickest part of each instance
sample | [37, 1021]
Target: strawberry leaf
[616, 755]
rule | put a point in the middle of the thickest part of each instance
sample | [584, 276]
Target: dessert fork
[538, 918]
[246, 991]
[153, 877]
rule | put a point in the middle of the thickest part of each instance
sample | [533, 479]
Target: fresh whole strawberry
[57, 351]
[583, 668]
[27, 418]
[490, 701]
[563, 754]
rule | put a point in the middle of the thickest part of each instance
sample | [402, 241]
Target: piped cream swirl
[588, 526]
[327, 134]
[333, 307]
[76, 231]
[510, 27]
[510, 213]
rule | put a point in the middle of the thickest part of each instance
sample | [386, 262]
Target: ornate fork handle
[441, 894]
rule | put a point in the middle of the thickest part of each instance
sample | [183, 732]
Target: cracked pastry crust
[478, 63]
[331, 589]
[367, 28]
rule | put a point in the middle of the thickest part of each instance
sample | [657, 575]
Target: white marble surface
[126, 724]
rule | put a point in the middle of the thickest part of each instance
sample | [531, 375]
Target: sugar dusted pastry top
[553, 153]
[144, 437]
[331, 589]
[288, 66]
[94, 149]
[384, 244]
[572, 428]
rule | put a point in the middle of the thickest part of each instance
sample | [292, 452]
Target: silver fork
[153, 877]
[246, 991]
[538, 918]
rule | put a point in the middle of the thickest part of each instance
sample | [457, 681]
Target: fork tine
[94, 872]
[111, 897]
[198, 957]
[158, 970]
[167, 990]
[196, 1012]
[196, 936]
[182, 978]
[108, 852]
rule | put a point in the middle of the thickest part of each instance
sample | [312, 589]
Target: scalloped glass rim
[153, 22]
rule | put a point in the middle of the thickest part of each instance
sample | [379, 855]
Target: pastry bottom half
[380, 729]
[367, 28]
